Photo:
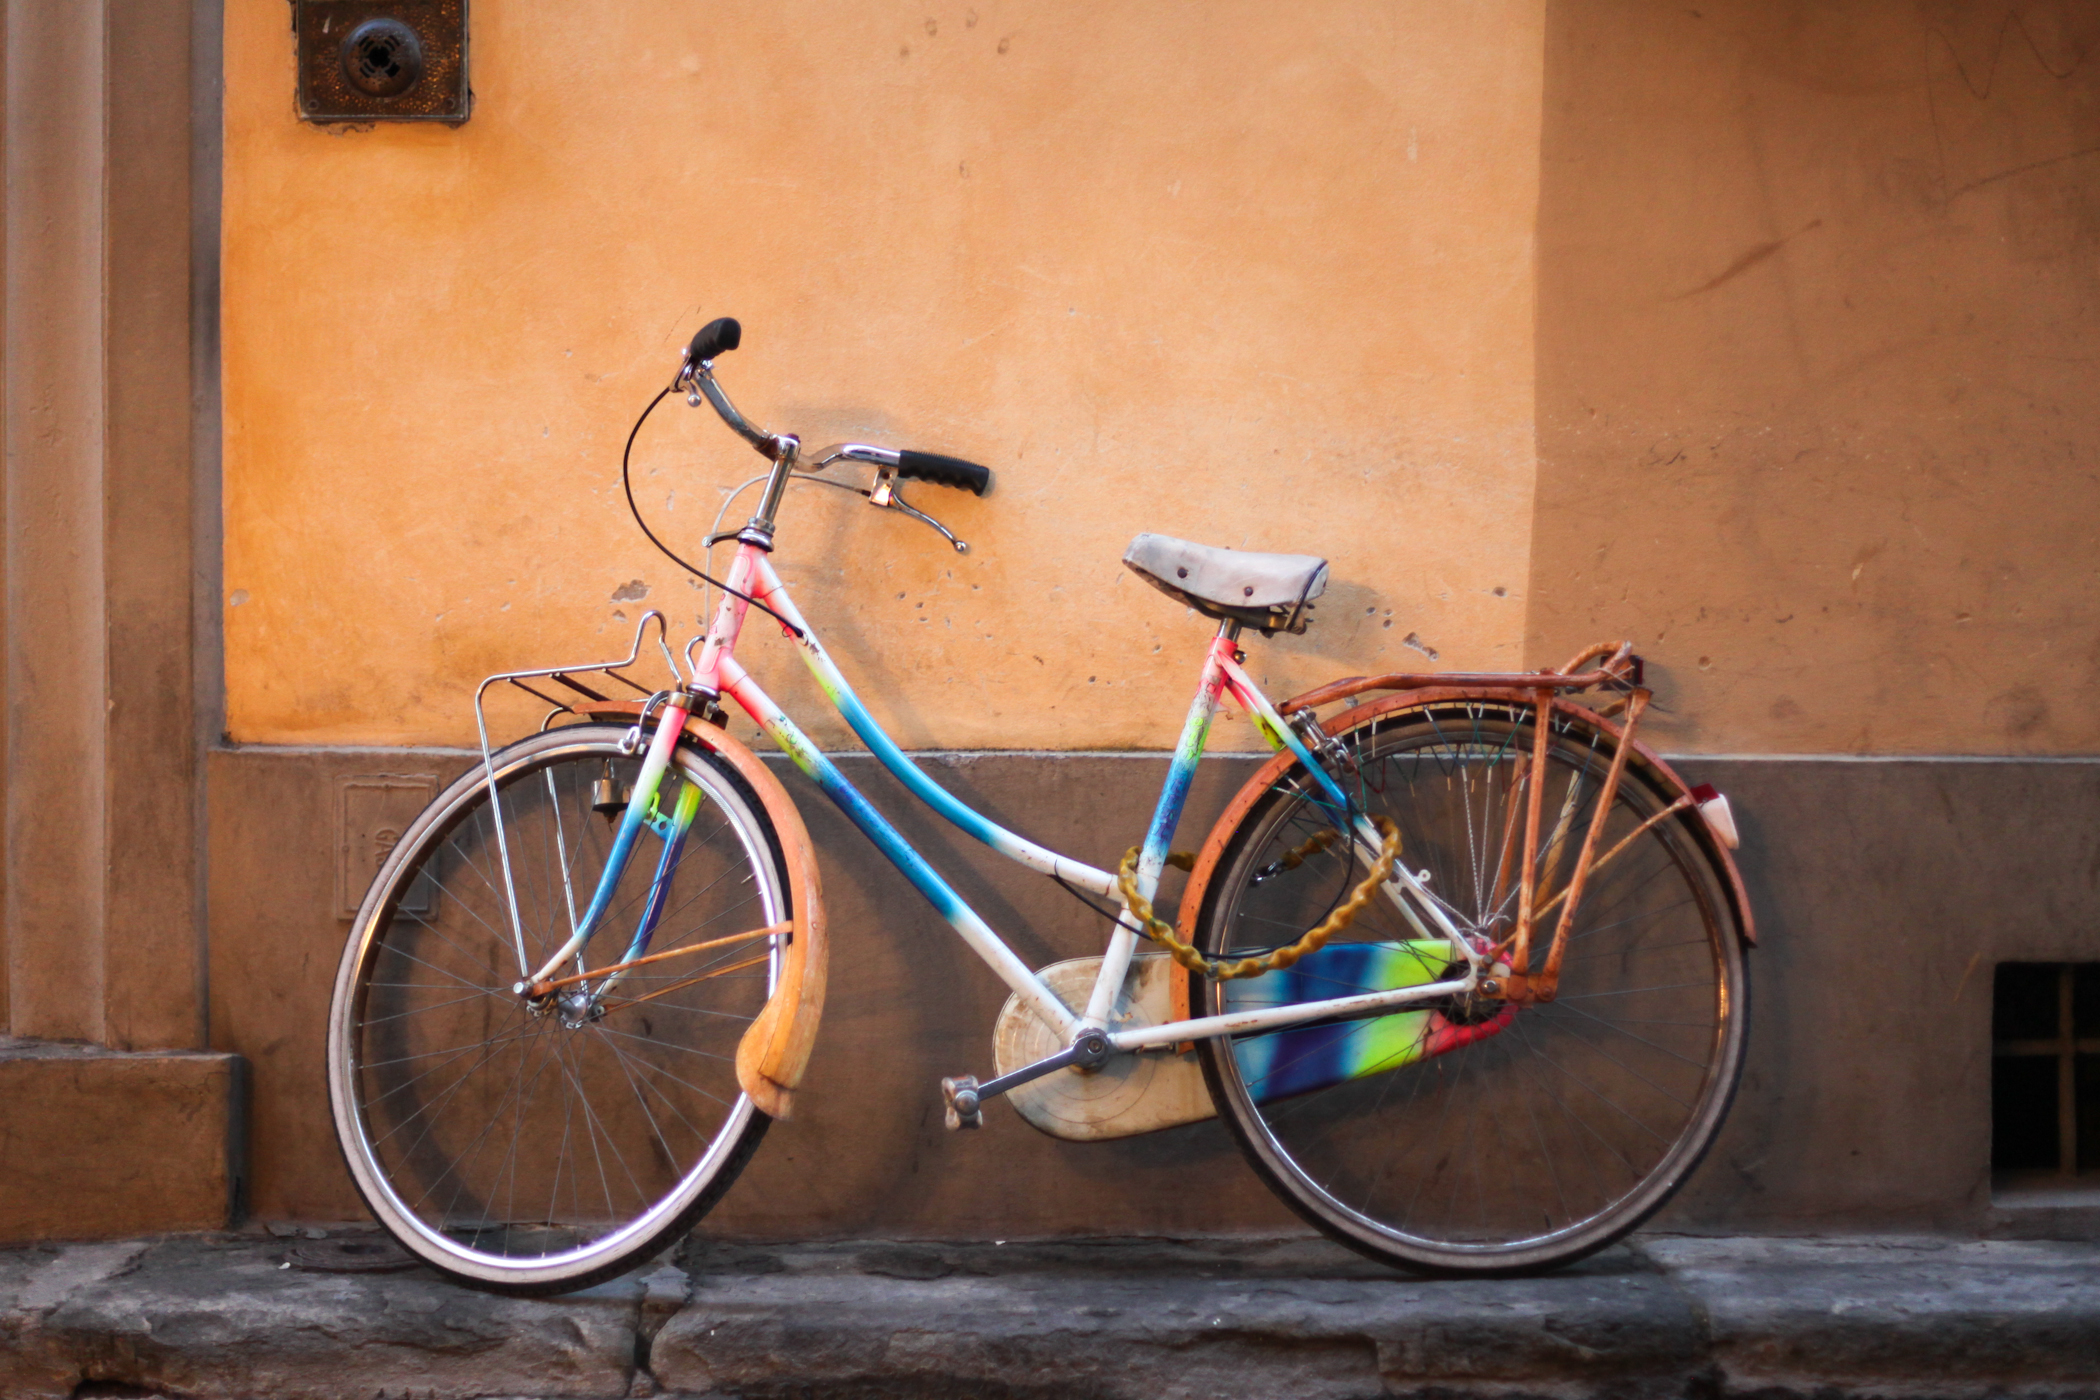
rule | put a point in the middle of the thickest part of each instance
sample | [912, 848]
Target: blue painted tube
[872, 823]
[1281, 735]
[631, 823]
[1174, 795]
[924, 878]
[968, 820]
[885, 749]
[971, 822]
[666, 864]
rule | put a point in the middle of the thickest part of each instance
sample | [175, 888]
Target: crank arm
[966, 1097]
[1067, 1056]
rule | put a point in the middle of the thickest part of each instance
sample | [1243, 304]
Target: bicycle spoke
[1533, 1133]
[514, 1135]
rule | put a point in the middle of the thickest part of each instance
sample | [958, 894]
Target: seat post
[1229, 628]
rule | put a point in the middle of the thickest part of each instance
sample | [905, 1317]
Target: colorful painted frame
[752, 579]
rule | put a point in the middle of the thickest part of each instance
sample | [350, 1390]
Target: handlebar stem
[786, 445]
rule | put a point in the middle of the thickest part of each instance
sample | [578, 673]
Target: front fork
[643, 810]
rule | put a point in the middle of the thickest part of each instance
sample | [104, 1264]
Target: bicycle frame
[717, 671]
[753, 582]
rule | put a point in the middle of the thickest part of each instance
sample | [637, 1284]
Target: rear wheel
[1478, 1138]
[530, 1148]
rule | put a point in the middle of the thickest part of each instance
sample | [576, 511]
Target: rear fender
[1659, 773]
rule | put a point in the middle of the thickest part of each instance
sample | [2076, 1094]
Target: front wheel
[534, 1147]
[1478, 1137]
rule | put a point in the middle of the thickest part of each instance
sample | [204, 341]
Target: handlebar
[945, 471]
[722, 333]
[696, 377]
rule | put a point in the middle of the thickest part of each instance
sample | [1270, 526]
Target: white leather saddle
[1271, 591]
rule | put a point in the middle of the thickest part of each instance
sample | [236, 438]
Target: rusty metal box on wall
[382, 60]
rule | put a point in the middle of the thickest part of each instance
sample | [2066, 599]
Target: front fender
[775, 1050]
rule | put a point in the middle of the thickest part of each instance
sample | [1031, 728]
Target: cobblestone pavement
[341, 1316]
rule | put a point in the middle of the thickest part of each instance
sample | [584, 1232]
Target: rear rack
[1617, 669]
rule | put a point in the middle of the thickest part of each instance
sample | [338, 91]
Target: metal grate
[382, 60]
[2045, 1070]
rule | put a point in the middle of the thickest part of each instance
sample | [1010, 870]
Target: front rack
[563, 677]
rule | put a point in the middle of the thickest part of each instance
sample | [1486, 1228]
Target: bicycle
[1461, 966]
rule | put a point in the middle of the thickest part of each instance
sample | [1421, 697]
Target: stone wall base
[103, 1144]
[1885, 891]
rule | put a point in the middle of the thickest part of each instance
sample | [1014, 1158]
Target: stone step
[236, 1316]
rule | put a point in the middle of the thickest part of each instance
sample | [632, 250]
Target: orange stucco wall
[1258, 275]
[1818, 287]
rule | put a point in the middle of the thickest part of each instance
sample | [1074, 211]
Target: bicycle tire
[1566, 1124]
[480, 1161]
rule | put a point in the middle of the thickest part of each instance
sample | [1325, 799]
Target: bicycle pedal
[961, 1097]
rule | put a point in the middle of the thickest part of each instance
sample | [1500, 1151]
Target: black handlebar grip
[722, 333]
[945, 471]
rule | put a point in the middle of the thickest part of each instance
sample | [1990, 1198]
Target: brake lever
[884, 494]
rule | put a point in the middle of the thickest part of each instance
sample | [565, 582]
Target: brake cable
[627, 485]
